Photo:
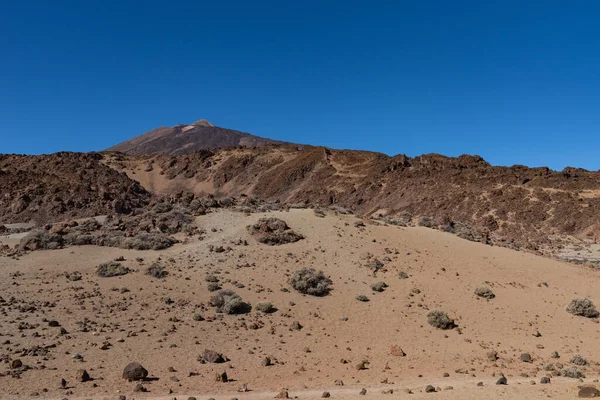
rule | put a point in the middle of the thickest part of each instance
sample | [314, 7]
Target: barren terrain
[101, 324]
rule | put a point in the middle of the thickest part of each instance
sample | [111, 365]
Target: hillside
[183, 139]
[518, 207]
[61, 186]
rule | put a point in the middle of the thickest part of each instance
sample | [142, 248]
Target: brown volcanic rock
[516, 206]
[63, 186]
[183, 139]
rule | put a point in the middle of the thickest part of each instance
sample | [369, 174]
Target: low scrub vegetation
[440, 320]
[228, 302]
[111, 268]
[309, 281]
[583, 308]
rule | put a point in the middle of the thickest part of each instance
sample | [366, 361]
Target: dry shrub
[439, 319]
[228, 302]
[583, 308]
[111, 268]
[309, 281]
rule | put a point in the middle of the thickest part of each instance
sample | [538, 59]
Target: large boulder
[135, 372]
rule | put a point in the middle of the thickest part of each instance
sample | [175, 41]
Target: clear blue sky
[516, 82]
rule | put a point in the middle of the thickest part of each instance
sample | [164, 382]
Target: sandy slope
[444, 271]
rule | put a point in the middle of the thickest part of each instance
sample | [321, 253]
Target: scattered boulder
[526, 357]
[135, 372]
[544, 380]
[83, 376]
[211, 356]
[16, 364]
[222, 377]
[502, 381]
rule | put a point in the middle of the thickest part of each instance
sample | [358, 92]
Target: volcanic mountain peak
[183, 139]
[202, 122]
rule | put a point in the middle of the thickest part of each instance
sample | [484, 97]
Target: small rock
[429, 389]
[397, 351]
[326, 395]
[544, 380]
[222, 377]
[139, 388]
[295, 326]
[266, 362]
[83, 376]
[283, 394]
[15, 364]
[211, 356]
[502, 381]
[363, 392]
[526, 357]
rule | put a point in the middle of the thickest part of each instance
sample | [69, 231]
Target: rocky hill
[182, 139]
[518, 207]
[62, 186]
[513, 206]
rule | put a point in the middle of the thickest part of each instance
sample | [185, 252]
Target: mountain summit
[183, 139]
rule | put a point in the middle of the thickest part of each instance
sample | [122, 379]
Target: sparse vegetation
[439, 319]
[157, 271]
[273, 231]
[148, 241]
[111, 268]
[485, 292]
[265, 307]
[403, 275]
[583, 308]
[309, 281]
[228, 302]
[378, 286]
[578, 360]
[572, 372]
[213, 286]
[41, 240]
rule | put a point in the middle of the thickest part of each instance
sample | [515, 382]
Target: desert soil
[110, 322]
